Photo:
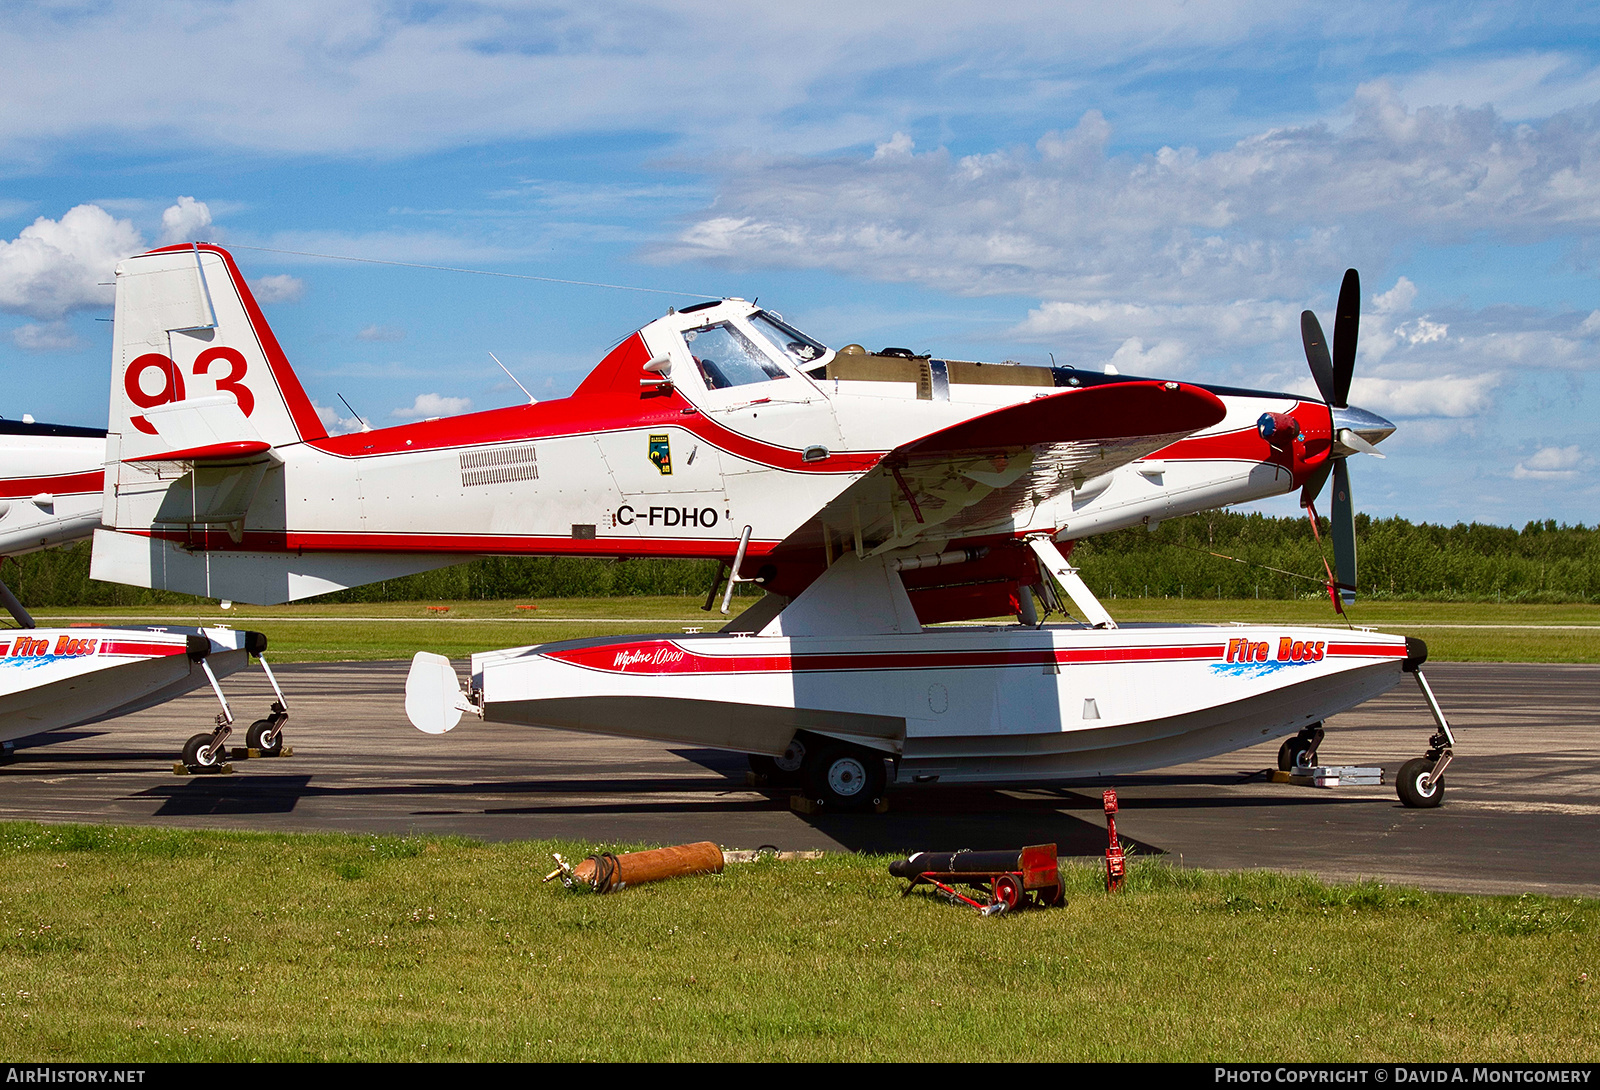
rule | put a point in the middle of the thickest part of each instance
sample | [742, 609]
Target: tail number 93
[170, 388]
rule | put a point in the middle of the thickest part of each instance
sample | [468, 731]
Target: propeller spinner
[1354, 430]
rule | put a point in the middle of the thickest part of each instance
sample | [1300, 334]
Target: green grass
[1465, 632]
[140, 945]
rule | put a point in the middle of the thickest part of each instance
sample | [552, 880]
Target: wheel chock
[246, 753]
[1329, 776]
[181, 769]
[803, 804]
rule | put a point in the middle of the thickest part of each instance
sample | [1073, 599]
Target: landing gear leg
[1300, 752]
[265, 736]
[206, 752]
[1420, 783]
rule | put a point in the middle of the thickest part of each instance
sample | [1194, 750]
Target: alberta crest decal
[661, 454]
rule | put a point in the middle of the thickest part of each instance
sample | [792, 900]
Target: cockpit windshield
[795, 344]
[726, 357]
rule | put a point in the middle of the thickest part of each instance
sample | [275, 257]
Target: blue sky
[1164, 187]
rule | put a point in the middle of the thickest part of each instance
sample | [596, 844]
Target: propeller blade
[1346, 325]
[1314, 483]
[1343, 518]
[1355, 442]
[1317, 354]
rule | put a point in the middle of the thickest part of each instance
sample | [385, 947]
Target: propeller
[1354, 430]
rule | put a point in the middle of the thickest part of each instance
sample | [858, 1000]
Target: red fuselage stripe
[65, 484]
[577, 418]
[275, 541]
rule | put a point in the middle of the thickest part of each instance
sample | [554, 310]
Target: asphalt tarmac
[1522, 809]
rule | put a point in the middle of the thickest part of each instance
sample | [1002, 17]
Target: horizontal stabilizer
[201, 429]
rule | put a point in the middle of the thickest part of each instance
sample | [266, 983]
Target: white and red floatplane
[873, 496]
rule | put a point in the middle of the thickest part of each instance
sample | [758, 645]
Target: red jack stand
[1116, 866]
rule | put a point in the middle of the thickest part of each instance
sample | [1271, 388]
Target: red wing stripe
[148, 650]
[1368, 650]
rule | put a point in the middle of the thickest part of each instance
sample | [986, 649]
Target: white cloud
[1278, 214]
[1189, 262]
[1132, 358]
[1397, 300]
[428, 406]
[368, 76]
[1239, 323]
[50, 337]
[187, 221]
[898, 146]
[336, 424]
[381, 333]
[1441, 396]
[278, 288]
[1550, 464]
[1523, 86]
[54, 267]
[57, 266]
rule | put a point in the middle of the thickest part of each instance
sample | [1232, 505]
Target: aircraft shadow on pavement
[38, 753]
[218, 795]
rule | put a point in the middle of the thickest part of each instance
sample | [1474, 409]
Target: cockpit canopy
[735, 344]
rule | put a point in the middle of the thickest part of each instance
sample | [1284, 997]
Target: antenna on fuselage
[364, 425]
[531, 399]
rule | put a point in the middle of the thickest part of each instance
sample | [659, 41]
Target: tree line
[1222, 554]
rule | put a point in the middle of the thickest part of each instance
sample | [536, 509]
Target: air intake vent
[499, 466]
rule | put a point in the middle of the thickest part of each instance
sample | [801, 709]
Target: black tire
[846, 778]
[1296, 754]
[1408, 785]
[786, 770]
[193, 751]
[258, 731]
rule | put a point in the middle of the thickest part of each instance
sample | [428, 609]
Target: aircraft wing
[989, 473]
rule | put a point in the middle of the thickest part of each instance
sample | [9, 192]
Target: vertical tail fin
[186, 329]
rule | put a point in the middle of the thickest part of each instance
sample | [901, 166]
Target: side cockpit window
[726, 357]
[801, 349]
